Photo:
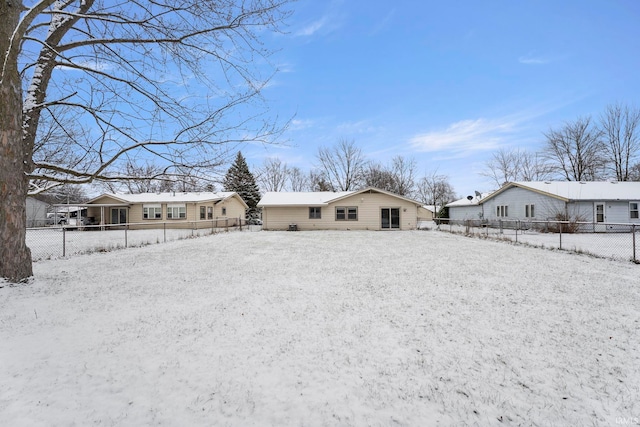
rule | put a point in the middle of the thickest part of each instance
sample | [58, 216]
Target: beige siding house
[368, 209]
[428, 212]
[175, 208]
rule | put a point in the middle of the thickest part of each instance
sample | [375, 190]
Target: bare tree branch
[576, 150]
[342, 165]
[620, 126]
[90, 87]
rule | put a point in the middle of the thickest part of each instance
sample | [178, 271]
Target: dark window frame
[315, 212]
[346, 213]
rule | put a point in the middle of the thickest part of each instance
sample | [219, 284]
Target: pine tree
[242, 181]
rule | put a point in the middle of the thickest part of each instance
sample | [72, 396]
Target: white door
[599, 217]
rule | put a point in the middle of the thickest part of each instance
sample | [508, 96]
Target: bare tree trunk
[15, 256]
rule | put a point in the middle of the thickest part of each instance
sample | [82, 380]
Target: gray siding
[516, 199]
[619, 212]
[546, 207]
[461, 213]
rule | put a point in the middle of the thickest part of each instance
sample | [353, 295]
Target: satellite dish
[469, 198]
[478, 195]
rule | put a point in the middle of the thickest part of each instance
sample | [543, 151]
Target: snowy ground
[323, 328]
[52, 242]
[613, 245]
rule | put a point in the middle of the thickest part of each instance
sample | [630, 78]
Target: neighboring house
[36, 212]
[608, 201]
[595, 202]
[180, 209]
[428, 212]
[368, 209]
[468, 208]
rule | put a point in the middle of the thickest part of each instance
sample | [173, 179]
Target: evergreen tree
[242, 181]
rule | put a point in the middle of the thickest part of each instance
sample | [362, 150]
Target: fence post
[164, 231]
[126, 236]
[560, 233]
[64, 241]
[517, 227]
[633, 233]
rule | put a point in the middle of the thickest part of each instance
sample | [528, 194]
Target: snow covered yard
[323, 328]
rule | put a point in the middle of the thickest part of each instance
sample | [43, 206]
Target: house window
[151, 212]
[176, 211]
[346, 214]
[502, 211]
[224, 211]
[529, 211]
[209, 212]
[314, 213]
[203, 212]
[633, 210]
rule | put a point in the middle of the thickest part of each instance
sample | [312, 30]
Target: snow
[301, 198]
[174, 196]
[322, 328]
[613, 244]
[581, 190]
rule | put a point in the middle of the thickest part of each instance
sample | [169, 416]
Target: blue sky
[447, 83]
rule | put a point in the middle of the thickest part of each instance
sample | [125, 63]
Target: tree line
[344, 167]
[584, 149]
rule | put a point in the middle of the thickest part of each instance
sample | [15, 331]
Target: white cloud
[91, 65]
[384, 23]
[464, 137]
[312, 28]
[285, 67]
[359, 127]
[333, 18]
[299, 124]
[533, 60]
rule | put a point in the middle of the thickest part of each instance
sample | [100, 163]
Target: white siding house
[36, 212]
[469, 208]
[596, 202]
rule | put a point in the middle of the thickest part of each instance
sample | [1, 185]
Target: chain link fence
[605, 240]
[64, 240]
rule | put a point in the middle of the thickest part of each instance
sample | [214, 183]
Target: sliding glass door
[390, 218]
[118, 215]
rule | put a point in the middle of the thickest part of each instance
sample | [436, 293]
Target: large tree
[576, 150]
[514, 164]
[434, 189]
[404, 175]
[298, 181]
[273, 175]
[398, 177]
[179, 81]
[620, 126]
[342, 165]
[240, 179]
